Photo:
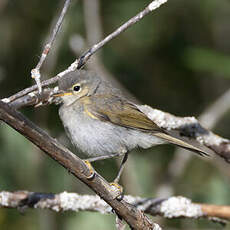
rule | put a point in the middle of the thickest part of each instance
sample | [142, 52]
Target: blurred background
[176, 59]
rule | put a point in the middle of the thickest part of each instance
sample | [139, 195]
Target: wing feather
[122, 113]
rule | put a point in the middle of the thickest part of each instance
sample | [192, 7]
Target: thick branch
[173, 207]
[75, 165]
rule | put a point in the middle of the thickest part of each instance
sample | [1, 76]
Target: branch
[135, 218]
[35, 99]
[152, 6]
[35, 73]
[189, 128]
[78, 63]
[173, 207]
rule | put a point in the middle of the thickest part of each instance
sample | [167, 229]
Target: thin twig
[82, 60]
[173, 207]
[35, 99]
[35, 73]
[30, 89]
[152, 6]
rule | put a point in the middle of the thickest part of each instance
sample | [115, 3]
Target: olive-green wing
[121, 112]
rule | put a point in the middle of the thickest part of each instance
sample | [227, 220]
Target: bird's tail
[182, 143]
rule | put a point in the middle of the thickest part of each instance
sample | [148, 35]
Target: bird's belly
[97, 138]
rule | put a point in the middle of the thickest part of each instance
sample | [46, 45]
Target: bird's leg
[115, 182]
[121, 168]
[98, 158]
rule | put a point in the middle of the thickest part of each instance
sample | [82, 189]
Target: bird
[102, 123]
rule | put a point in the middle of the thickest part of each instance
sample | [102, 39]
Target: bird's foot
[118, 189]
[91, 170]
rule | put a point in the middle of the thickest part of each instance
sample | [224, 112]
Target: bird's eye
[76, 88]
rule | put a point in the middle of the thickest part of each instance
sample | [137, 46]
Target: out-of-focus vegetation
[176, 59]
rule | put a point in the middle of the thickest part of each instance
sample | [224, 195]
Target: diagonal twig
[152, 6]
[35, 73]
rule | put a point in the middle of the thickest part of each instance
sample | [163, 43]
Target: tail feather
[181, 143]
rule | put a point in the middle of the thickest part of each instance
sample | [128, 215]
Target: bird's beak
[62, 93]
